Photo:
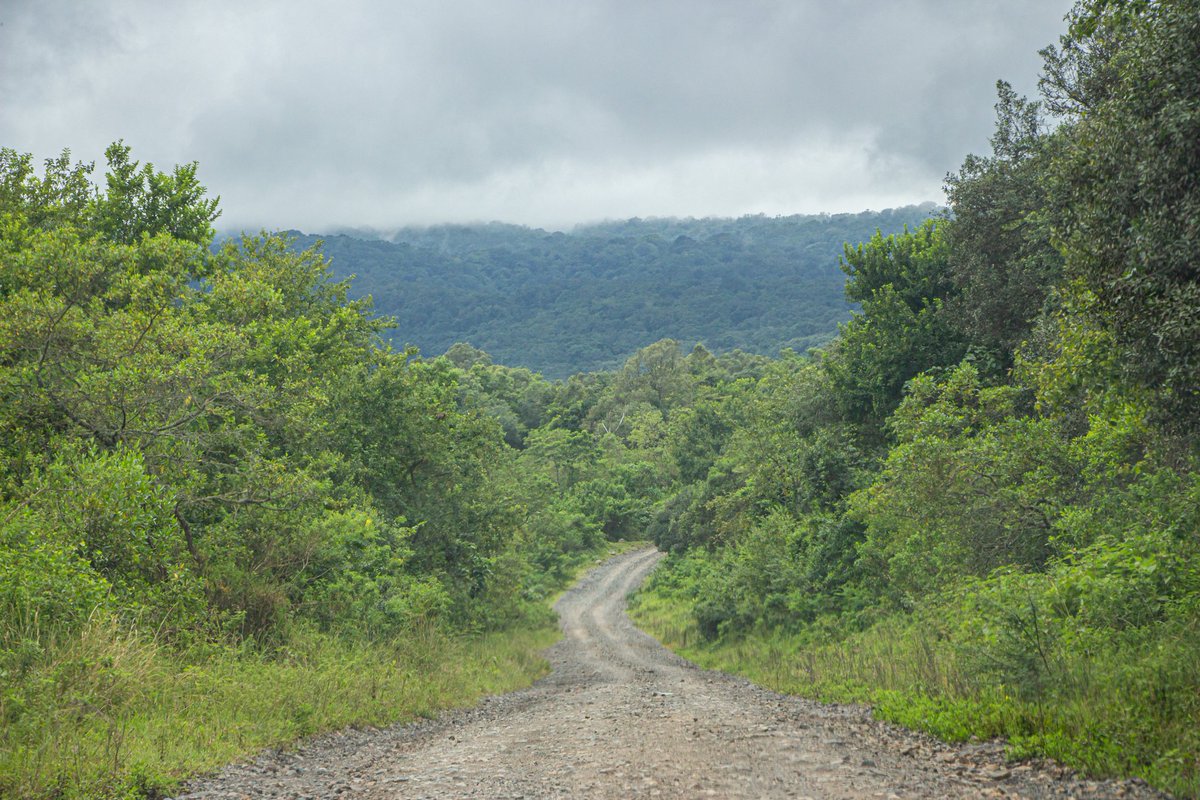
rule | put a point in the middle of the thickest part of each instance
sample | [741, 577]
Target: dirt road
[621, 717]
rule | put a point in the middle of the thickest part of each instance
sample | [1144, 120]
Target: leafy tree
[696, 436]
[140, 202]
[999, 242]
[425, 461]
[61, 195]
[971, 485]
[656, 374]
[1081, 72]
[464, 356]
[1126, 201]
[902, 282]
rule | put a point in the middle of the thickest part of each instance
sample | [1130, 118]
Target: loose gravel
[622, 717]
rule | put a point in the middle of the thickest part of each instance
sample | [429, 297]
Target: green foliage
[209, 455]
[912, 263]
[61, 195]
[901, 281]
[1003, 264]
[515, 397]
[621, 502]
[103, 509]
[45, 584]
[792, 446]
[1125, 200]
[970, 486]
[356, 578]
[560, 303]
[146, 202]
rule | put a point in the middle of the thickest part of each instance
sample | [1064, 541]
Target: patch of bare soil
[620, 716]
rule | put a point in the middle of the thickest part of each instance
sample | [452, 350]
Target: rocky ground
[620, 717]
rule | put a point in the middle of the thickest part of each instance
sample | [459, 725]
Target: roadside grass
[113, 714]
[1115, 708]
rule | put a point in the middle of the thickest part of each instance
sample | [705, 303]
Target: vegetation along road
[620, 716]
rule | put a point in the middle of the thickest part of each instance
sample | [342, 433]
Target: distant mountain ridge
[584, 300]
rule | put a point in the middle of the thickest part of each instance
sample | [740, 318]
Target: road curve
[621, 717]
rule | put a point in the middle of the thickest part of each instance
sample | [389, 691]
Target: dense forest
[561, 303]
[977, 508]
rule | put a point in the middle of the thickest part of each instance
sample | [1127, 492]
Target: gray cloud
[303, 114]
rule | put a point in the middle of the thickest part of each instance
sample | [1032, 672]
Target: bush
[93, 527]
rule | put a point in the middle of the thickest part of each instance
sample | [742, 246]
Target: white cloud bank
[308, 115]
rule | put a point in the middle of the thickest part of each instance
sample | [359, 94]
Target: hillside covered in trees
[560, 303]
[231, 515]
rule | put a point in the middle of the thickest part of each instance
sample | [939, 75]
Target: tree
[145, 201]
[657, 374]
[1002, 260]
[902, 282]
[60, 196]
[972, 485]
[1126, 198]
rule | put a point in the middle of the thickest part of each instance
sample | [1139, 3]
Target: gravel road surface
[620, 716]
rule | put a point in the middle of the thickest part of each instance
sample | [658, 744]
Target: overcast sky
[315, 115]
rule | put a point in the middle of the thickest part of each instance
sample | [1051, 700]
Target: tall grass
[111, 713]
[1118, 706]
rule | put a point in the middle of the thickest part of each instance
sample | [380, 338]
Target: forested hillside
[560, 303]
